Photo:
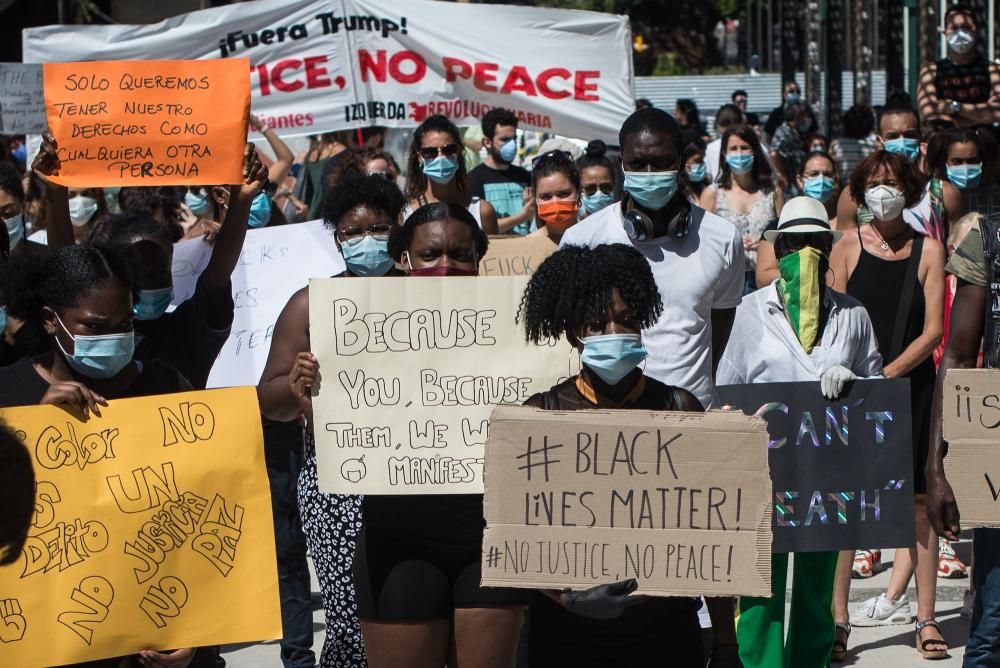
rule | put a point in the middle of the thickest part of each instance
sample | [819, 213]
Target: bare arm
[488, 215]
[965, 334]
[283, 156]
[707, 199]
[214, 281]
[933, 285]
[291, 337]
[983, 113]
[59, 229]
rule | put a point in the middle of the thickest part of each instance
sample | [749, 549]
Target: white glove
[831, 382]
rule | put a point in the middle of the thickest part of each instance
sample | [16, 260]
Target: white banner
[274, 264]
[321, 65]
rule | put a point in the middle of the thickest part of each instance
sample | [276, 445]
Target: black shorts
[400, 578]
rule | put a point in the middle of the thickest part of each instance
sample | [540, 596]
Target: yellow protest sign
[149, 122]
[411, 369]
[152, 530]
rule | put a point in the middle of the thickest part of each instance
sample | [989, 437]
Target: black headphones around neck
[639, 227]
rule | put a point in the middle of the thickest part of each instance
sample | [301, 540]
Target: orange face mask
[558, 214]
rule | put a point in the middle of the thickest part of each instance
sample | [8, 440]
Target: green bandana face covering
[801, 291]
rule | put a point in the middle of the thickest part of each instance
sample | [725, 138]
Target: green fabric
[761, 626]
[968, 262]
[800, 290]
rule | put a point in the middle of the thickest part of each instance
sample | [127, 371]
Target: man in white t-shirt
[696, 256]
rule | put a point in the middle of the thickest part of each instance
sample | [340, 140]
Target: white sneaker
[882, 611]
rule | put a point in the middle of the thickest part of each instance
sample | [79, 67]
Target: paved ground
[886, 647]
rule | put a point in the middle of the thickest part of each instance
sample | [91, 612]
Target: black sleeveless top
[969, 83]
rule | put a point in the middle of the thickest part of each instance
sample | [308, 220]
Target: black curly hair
[126, 228]
[10, 180]
[373, 192]
[17, 494]
[401, 237]
[70, 273]
[572, 290]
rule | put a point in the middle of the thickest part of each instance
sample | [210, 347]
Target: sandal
[838, 653]
[922, 645]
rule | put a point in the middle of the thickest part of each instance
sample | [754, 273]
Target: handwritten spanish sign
[823, 499]
[971, 411]
[150, 122]
[274, 264]
[515, 256]
[412, 368]
[150, 522]
[22, 102]
[678, 501]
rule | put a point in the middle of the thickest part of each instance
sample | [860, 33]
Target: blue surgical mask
[792, 98]
[508, 150]
[441, 170]
[98, 357]
[597, 201]
[905, 146]
[197, 202]
[260, 211]
[651, 189]
[819, 187]
[965, 176]
[697, 173]
[153, 303]
[15, 229]
[368, 257]
[613, 356]
[3, 319]
[740, 163]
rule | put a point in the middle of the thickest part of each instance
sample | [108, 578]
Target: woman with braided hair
[600, 299]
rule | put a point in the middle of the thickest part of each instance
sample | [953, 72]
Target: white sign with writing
[22, 100]
[275, 263]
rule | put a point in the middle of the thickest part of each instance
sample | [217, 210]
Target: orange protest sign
[149, 122]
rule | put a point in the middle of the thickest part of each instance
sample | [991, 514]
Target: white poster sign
[320, 65]
[22, 102]
[274, 264]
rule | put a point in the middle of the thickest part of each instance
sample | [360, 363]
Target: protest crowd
[671, 262]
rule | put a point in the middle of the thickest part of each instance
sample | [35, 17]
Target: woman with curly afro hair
[601, 299]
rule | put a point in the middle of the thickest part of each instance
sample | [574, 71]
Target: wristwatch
[955, 107]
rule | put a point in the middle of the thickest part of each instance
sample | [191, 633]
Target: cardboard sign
[147, 123]
[22, 102]
[411, 369]
[971, 410]
[515, 256]
[152, 530]
[322, 65]
[275, 263]
[824, 498]
[678, 501]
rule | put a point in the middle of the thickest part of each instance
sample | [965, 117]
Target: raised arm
[214, 283]
[283, 156]
[59, 229]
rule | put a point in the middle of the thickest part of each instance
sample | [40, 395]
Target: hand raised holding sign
[302, 380]
[59, 229]
[76, 395]
[47, 162]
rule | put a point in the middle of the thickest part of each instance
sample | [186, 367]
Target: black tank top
[878, 284]
[969, 83]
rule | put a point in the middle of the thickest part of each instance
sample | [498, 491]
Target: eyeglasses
[592, 188]
[354, 235]
[557, 156]
[431, 152]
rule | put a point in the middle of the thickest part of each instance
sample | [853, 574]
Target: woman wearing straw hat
[797, 329]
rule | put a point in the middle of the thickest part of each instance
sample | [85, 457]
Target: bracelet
[264, 129]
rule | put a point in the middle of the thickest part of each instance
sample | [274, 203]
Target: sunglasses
[354, 235]
[592, 188]
[555, 157]
[821, 241]
[432, 152]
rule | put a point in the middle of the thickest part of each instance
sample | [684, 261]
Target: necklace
[885, 243]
